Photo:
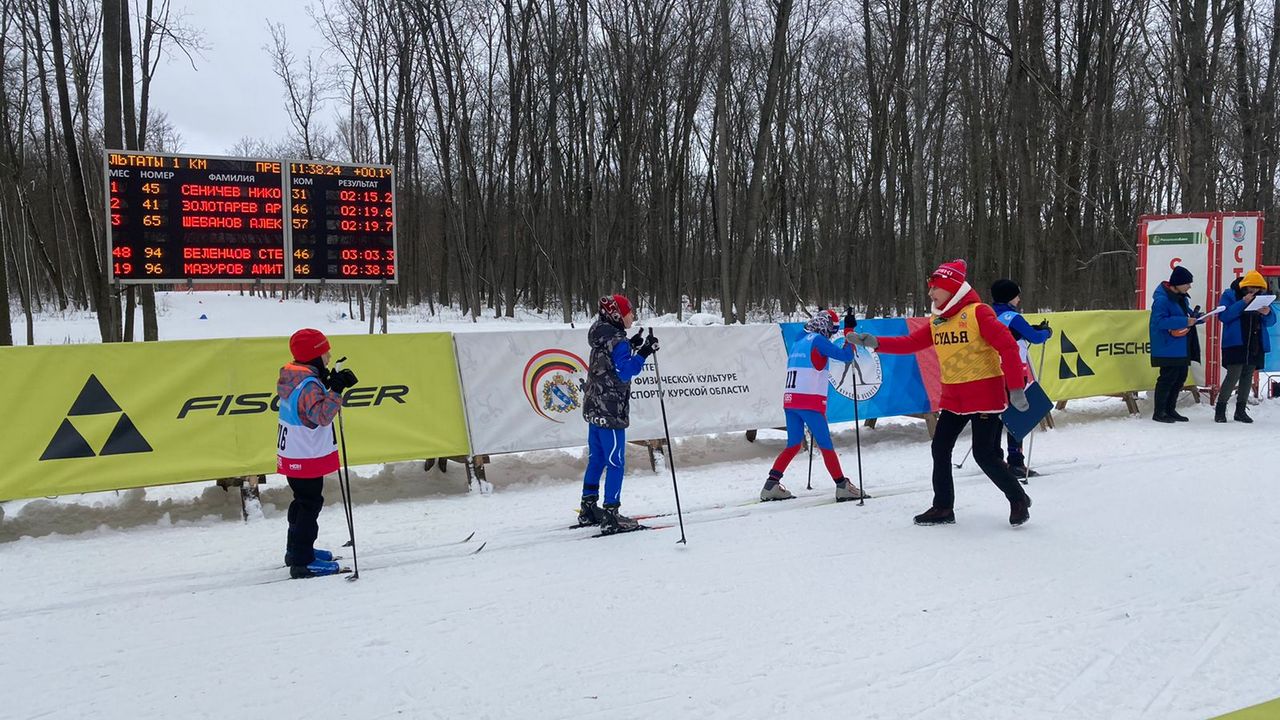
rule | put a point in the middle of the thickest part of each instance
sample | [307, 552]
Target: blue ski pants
[607, 455]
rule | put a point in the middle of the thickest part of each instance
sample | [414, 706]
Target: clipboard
[1259, 302]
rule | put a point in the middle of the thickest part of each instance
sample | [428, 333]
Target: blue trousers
[818, 428]
[1016, 459]
[607, 455]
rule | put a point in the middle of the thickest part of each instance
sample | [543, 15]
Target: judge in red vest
[981, 375]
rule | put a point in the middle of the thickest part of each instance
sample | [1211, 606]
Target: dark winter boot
[1018, 510]
[773, 489]
[1022, 473]
[323, 555]
[1242, 416]
[615, 522]
[1220, 413]
[589, 513]
[936, 516]
[1175, 416]
[846, 491]
[318, 568]
[1162, 418]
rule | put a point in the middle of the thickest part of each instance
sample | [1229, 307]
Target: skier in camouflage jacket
[615, 360]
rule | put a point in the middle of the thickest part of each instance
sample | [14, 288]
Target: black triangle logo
[125, 439]
[1064, 370]
[1082, 370]
[1067, 345]
[93, 400]
[67, 443]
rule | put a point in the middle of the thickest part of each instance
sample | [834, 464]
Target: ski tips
[346, 544]
[468, 538]
[477, 550]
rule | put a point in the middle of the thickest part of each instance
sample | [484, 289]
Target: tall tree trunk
[95, 279]
[755, 190]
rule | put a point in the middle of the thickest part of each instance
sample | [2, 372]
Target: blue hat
[1180, 276]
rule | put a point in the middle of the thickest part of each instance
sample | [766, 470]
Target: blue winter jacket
[1234, 316]
[1169, 312]
[1018, 325]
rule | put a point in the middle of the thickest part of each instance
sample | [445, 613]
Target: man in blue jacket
[1006, 297]
[1245, 343]
[1174, 342]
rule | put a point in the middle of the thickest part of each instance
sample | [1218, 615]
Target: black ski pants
[1240, 379]
[1168, 385]
[986, 451]
[308, 500]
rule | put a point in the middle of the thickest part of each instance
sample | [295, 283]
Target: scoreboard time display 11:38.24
[180, 218]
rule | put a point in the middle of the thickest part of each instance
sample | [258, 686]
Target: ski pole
[344, 488]
[964, 459]
[809, 440]
[666, 431]
[851, 322]
[1031, 441]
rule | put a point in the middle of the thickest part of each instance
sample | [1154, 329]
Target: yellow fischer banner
[106, 417]
[1094, 352]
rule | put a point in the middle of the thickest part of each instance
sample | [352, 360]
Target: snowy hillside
[1144, 585]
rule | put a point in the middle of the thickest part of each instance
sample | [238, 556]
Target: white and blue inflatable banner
[885, 385]
[523, 389]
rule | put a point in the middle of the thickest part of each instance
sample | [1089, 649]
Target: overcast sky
[232, 92]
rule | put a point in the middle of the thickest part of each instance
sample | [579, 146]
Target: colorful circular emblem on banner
[553, 382]
[1238, 231]
[870, 376]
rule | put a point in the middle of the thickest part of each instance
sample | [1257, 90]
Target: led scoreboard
[172, 217]
[183, 218]
[342, 219]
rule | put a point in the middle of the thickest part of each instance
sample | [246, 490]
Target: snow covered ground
[1143, 587]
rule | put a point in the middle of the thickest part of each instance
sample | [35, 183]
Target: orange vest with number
[963, 354]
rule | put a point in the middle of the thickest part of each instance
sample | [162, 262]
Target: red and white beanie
[949, 276]
[615, 307]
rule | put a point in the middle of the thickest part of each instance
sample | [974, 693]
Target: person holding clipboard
[1245, 316]
[1174, 345]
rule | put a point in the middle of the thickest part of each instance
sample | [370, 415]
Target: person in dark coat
[615, 360]
[1006, 299]
[1174, 342]
[1245, 343]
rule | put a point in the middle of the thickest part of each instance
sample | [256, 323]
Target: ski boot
[936, 516]
[1242, 416]
[773, 489]
[589, 513]
[322, 555]
[317, 568]
[615, 522]
[1018, 510]
[846, 491]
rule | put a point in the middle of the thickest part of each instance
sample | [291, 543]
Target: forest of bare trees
[748, 154]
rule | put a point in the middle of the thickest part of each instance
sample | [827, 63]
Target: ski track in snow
[1143, 587]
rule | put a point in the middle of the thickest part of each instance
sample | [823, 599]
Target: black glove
[636, 340]
[649, 347]
[850, 320]
[1042, 325]
[341, 380]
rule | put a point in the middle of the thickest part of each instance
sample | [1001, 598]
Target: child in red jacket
[981, 376]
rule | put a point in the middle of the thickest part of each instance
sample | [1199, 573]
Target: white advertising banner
[524, 389]
[1177, 241]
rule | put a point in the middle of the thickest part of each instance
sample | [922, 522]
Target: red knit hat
[615, 307]
[308, 344]
[949, 276]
